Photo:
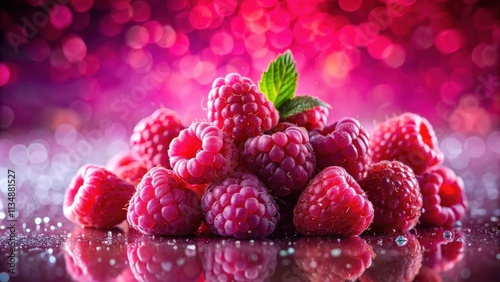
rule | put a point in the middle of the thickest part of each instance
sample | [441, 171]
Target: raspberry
[240, 206]
[239, 261]
[330, 260]
[97, 198]
[85, 245]
[283, 159]
[343, 143]
[162, 205]
[314, 118]
[332, 204]
[202, 153]
[164, 261]
[152, 136]
[127, 167]
[408, 138]
[444, 200]
[395, 260]
[393, 190]
[236, 106]
[442, 251]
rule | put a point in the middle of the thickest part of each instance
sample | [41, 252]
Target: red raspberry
[127, 167]
[236, 106]
[85, 245]
[239, 261]
[152, 136]
[333, 259]
[202, 153]
[283, 159]
[164, 261]
[444, 200]
[97, 198]
[162, 205]
[240, 206]
[443, 249]
[344, 143]
[332, 204]
[397, 259]
[315, 118]
[408, 138]
[393, 190]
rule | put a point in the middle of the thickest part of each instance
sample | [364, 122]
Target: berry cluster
[263, 149]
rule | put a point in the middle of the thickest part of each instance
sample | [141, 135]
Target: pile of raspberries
[248, 172]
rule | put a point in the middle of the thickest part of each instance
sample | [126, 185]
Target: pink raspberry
[394, 192]
[152, 136]
[444, 200]
[202, 153]
[96, 198]
[236, 106]
[172, 260]
[283, 159]
[315, 118]
[332, 204]
[408, 138]
[344, 143]
[162, 205]
[239, 261]
[240, 206]
[127, 167]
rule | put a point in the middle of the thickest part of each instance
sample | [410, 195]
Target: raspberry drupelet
[315, 118]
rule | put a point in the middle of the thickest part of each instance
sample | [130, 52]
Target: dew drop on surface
[336, 252]
[52, 259]
[46, 219]
[291, 250]
[447, 235]
[112, 262]
[38, 221]
[401, 240]
[166, 266]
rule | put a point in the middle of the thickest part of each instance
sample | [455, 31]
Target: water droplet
[498, 256]
[181, 261]
[52, 259]
[447, 235]
[336, 252]
[457, 223]
[166, 265]
[59, 224]
[291, 250]
[465, 273]
[46, 219]
[98, 248]
[494, 219]
[112, 262]
[348, 266]
[313, 264]
[38, 221]
[401, 240]
[283, 253]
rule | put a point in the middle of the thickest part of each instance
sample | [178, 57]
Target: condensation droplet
[401, 240]
[447, 235]
[336, 252]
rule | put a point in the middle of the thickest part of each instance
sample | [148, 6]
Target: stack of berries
[265, 162]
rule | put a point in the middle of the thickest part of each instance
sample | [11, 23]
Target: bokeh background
[77, 75]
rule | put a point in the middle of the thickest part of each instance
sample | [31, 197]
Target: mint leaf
[300, 104]
[279, 82]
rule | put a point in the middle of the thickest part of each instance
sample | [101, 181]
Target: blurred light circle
[4, 74]
[83, 109]
[474, 146]
[168, 38]
[108, 27]
[74, 49]
[38, 49]
[141, 11]
[394, 56]
[483, 19]
[350, 5]
[378, 46]
[238, 65]
[493, 141]
[225, 8]
[460, 162]
[37, 153]
[422, 37]
[155, 31]
[89, 66]
[381, 17]
[181, 45]
[204, 73]
[65, 134]
[6, 116]
[82, 5]
[383, 94]
[450, 91]
[138, 58]
[267, 3]
[337, 65]
[451, 147]
[281, 40]
[61, 16]
[122, 12]
[449, 41]
[221, 43]
[200, 17]
[58, 60]
[137, 36]
[18, 154]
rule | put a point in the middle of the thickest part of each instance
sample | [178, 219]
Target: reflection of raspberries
[239, 261]
[152, 136]
[443, 195]
[314, 118]
[394, 261]
[332, 260]
[237, 107]
[162, 205]
[344, 143]
[164, 261]
[283, 159]
[240, 206]
[332, 204]
[394, 192]
[85, 245]
[97, 198]
[202, 153]
[443, 249]
[408, 138]
[127, 167]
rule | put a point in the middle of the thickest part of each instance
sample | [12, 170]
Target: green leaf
[300, 104]
[279, 82]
